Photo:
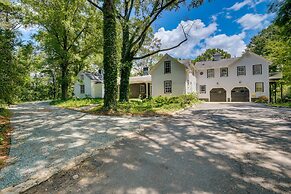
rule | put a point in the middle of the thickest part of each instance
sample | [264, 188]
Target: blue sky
[225, 24]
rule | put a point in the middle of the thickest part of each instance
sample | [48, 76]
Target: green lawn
[153, 106]
[286, 104]
[76, 103]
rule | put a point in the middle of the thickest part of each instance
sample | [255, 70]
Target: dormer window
[167, 67]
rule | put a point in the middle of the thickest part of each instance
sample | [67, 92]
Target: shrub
[262, 99]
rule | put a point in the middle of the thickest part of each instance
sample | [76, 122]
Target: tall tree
[136, 18]
[10, 71]
[110, 54]
[69, 31]
[209, 53]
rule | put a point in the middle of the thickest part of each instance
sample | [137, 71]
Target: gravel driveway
[46, 138]
[213, 148]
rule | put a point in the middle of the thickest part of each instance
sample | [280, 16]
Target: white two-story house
[172, 77]
[240, 79]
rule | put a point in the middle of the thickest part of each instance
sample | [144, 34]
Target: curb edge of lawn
[48, 173]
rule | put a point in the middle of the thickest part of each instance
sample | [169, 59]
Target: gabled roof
[186, 62]
[215, 64]
[97, 77]
[225, 62]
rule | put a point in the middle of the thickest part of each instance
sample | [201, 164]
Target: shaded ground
[215, 148]
[45, 137]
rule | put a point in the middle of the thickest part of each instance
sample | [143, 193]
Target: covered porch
[275, 86]
[140, 86]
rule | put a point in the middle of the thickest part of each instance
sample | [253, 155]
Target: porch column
[146, 90]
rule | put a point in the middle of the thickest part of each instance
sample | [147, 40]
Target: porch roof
[140, 79]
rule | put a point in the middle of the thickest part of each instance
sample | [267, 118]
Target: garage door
[218, 95]
[240, 94]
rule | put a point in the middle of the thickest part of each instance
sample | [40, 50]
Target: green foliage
[285, 104]
[208, 55]
[69, 33]
[110, 55]
[274, 42]
[157, 105]
[262, 99]
[11, 76]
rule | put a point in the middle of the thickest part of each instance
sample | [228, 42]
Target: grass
[147, 107]
[286, 104]
[76, 102]
[5, 130]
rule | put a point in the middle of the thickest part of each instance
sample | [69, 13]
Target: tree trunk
[110, 55]
[65, 82]
[124, 81]
[126, 65]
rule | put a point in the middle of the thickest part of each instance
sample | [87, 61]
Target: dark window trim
[202, 92]
[238, 71]
[82, 89]
[171, 88]
[261, 72]
[226, 71]
[263, 87]
[208, 73]
[167, 70]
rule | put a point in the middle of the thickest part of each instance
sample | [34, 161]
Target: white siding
[191, 87]
[177, 76]
[228, 83]
[88, 88]
[98, 90]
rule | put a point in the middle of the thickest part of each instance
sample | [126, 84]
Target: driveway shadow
[230, 150]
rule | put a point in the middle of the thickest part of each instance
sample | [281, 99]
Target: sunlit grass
[152, 106]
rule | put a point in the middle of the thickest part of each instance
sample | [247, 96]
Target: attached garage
[240, 94]
[218, 95]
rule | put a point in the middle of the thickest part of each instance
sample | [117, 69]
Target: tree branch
[95, 5]
[166, 49]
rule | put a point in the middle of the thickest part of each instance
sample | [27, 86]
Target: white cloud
[196, 30]
[201, 37]
[253, 21]
[234, 44]
[251, 3]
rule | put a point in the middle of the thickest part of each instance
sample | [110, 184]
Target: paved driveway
[213, 148]
[46, 139]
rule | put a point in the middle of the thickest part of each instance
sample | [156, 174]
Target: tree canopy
[208, 55]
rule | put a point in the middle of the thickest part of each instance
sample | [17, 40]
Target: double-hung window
[167, 67]
[82, 89]
[168, 86]
[257, 69]
[202, 89]
[241, 70]
[210, 73]
[259, 87]
[223, 72]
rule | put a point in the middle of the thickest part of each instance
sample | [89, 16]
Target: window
[259, 87]
[224, 72]
[142, 88]
[210, 73]
[82, 77]
[82, 89]
[202, 89]
[257, 69]
[241, 70]
[168, 86]
[167, 67]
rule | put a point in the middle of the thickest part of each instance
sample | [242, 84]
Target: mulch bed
[5, 134]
